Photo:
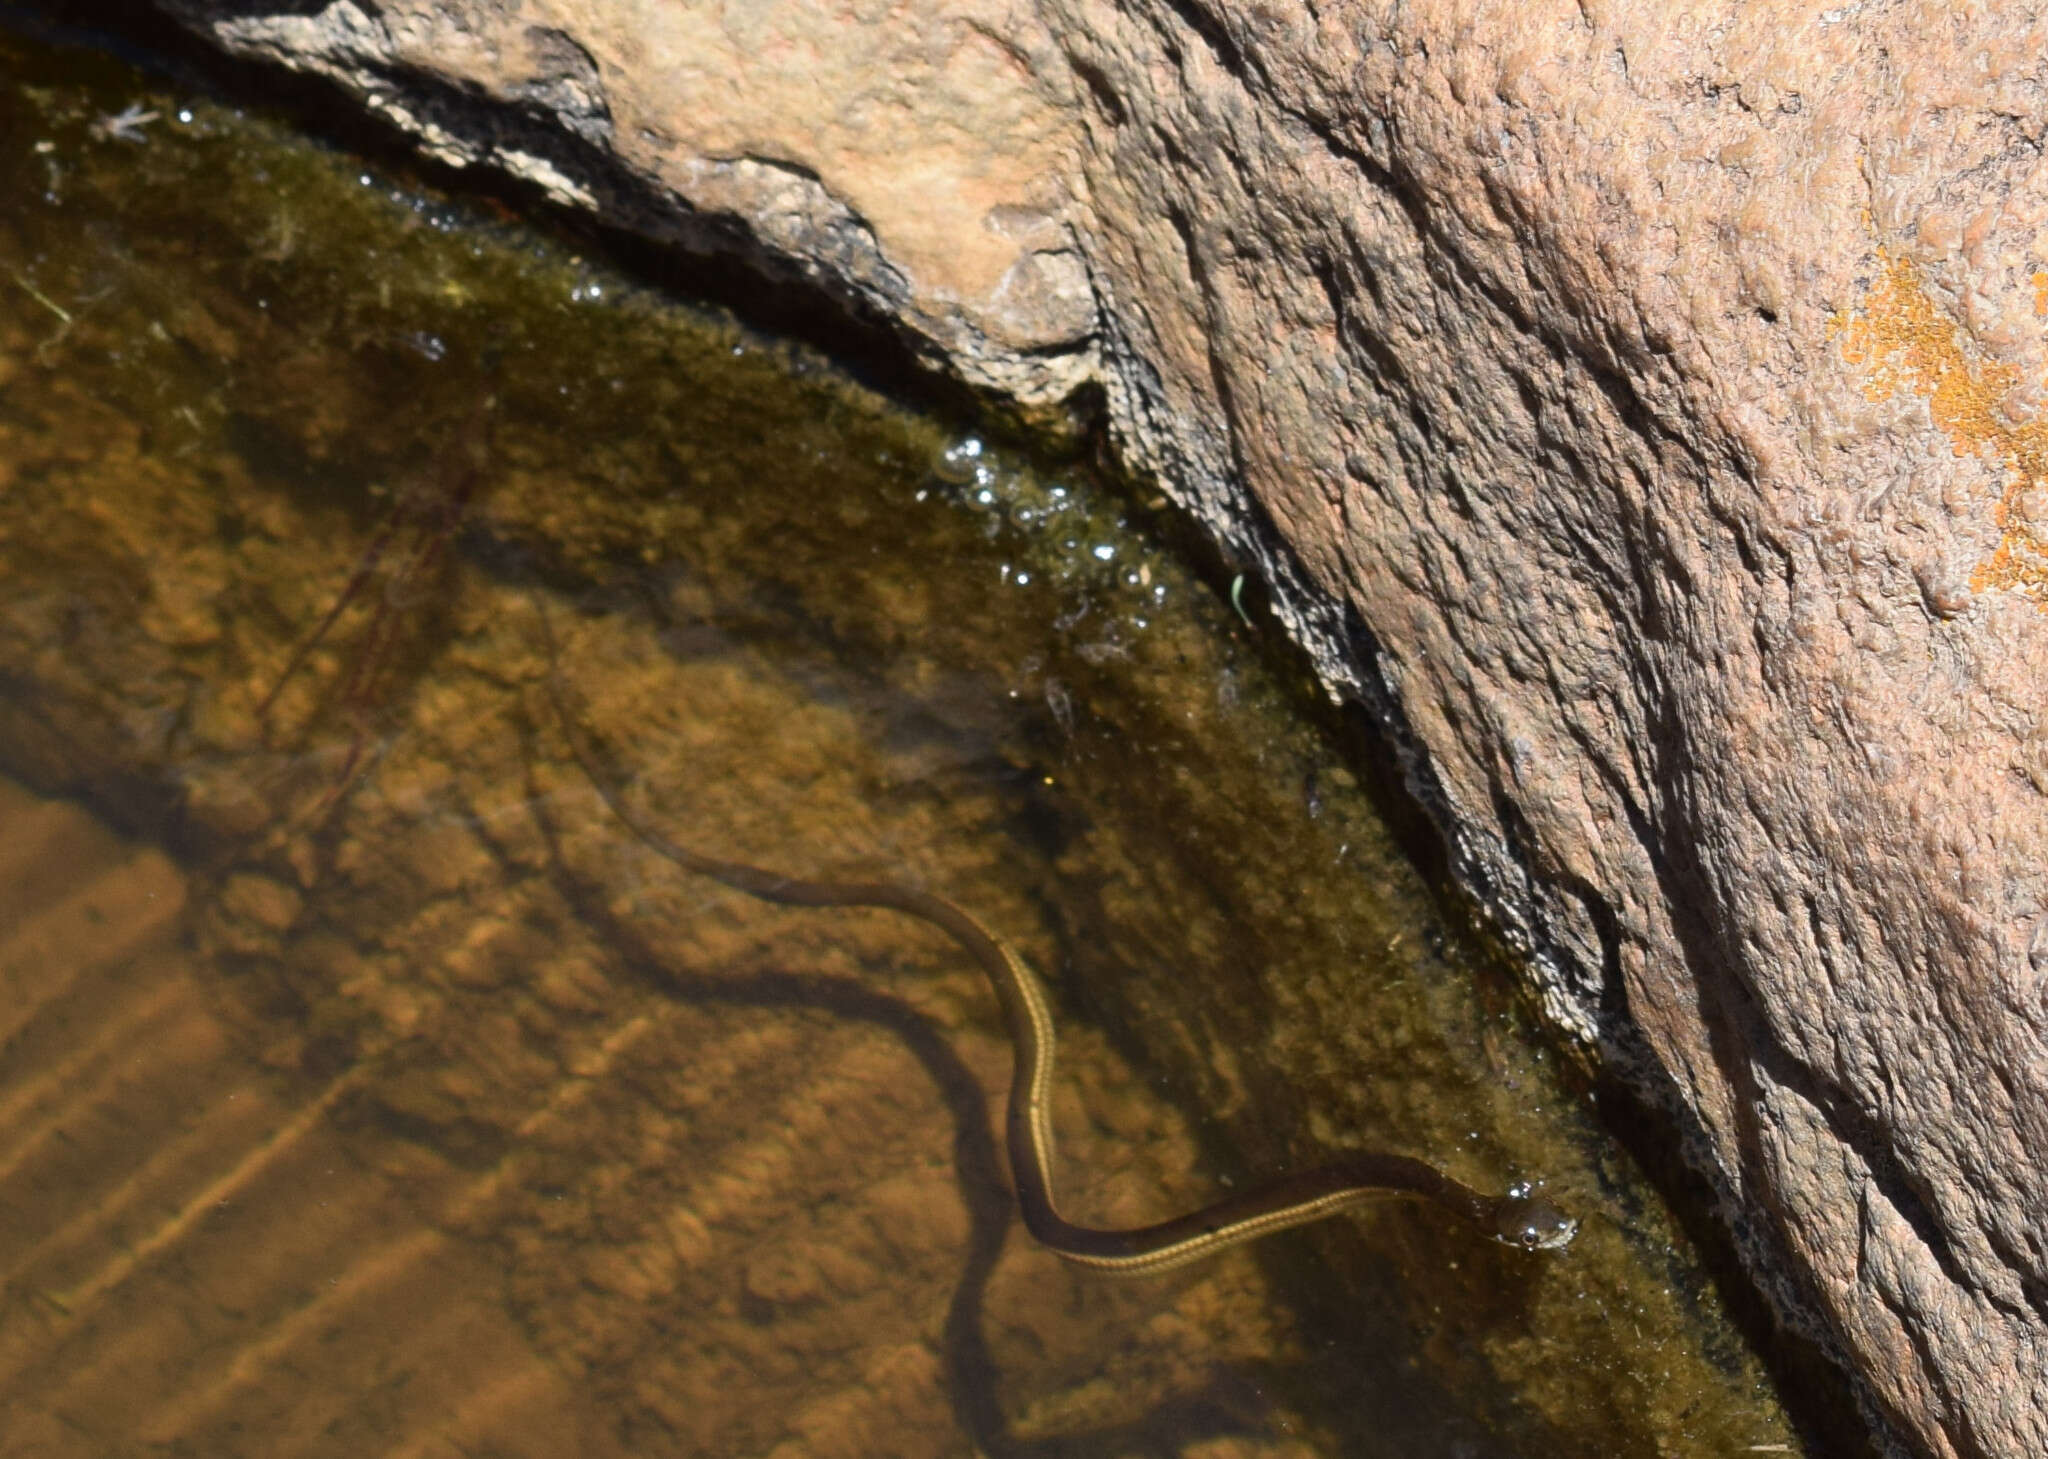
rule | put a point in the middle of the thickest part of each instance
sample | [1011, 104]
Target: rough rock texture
[1648, 396]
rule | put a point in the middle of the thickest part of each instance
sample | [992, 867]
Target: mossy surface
[322, 497]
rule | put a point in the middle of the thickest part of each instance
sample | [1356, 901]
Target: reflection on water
[383, 1093]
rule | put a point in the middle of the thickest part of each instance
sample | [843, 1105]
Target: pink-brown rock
[1638, 402]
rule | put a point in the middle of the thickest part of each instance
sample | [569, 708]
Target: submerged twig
[64, 315]
[431, 515]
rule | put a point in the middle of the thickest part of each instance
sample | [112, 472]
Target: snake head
[1523, 1218]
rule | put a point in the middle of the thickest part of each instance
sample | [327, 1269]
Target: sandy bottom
[195, 1260]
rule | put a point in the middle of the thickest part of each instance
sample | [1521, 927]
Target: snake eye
[1525, 1219]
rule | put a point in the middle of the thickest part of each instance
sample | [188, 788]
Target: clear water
[367, 1087]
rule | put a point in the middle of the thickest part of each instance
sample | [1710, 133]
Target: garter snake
[1519, 1218]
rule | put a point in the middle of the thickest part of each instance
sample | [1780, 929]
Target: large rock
[1638, 403]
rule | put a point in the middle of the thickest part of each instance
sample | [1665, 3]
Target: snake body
[1519, 1218]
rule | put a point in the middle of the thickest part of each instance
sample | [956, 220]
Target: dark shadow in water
[1228, 1405]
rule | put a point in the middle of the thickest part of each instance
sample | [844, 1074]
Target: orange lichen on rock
[1905, 341]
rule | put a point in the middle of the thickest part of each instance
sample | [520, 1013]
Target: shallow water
[373, 1089]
